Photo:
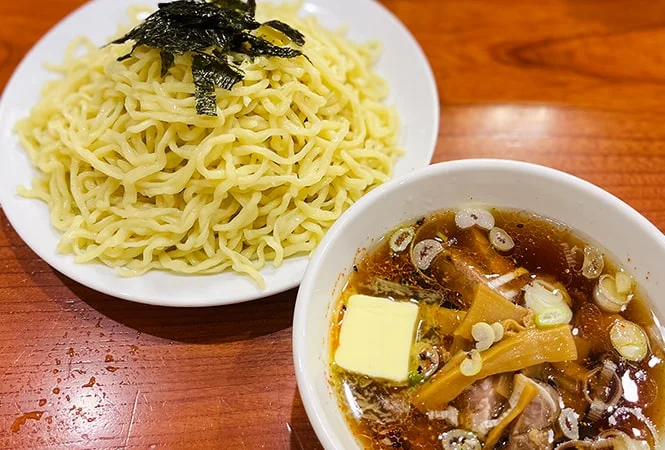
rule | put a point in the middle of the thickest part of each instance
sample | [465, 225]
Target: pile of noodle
[134, 178]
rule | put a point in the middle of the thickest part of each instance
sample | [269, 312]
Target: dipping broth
[504, 330]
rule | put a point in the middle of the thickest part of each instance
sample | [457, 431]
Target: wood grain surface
[578, 85]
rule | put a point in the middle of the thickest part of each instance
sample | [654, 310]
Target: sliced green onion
[501, 240]
[471, 366]
[483, 334]
[424, 252]
[537, 297]
[498, 331]
[555, 288]
[607, 296]
[624, 283]
[551, 317]
[630, 340]
[401, 239]
[427, 357]
[569, 423]
[467, 218]
[593, 263]
[549, 304]
[458, 439]
[415, 379]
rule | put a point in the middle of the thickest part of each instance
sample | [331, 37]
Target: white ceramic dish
[403, 64]
[632, 239]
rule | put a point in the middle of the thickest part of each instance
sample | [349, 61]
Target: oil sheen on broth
[523, 336]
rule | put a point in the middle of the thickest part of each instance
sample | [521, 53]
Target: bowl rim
[312, 403]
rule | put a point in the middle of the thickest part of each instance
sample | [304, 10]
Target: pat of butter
[376, 337]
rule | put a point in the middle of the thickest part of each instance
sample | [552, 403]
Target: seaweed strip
[245, 7]
[286, 29]
[212, 32]
[255, 46]
[209, 71]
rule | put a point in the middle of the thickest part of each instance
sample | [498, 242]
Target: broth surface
[382, 415]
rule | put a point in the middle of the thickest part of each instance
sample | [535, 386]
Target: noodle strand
[135, 179]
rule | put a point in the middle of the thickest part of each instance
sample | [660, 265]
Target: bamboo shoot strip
[489, 306]
[522, 350]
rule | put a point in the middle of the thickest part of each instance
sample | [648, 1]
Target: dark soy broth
[382, 414]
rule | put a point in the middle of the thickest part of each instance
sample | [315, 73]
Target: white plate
[403, 64]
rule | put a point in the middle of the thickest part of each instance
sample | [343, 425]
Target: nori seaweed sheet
[212, 31]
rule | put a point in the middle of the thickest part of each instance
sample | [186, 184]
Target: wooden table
[578, 85]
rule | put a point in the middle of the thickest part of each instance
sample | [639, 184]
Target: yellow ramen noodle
[134, 178]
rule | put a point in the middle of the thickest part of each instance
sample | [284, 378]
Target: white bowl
[628, 236]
